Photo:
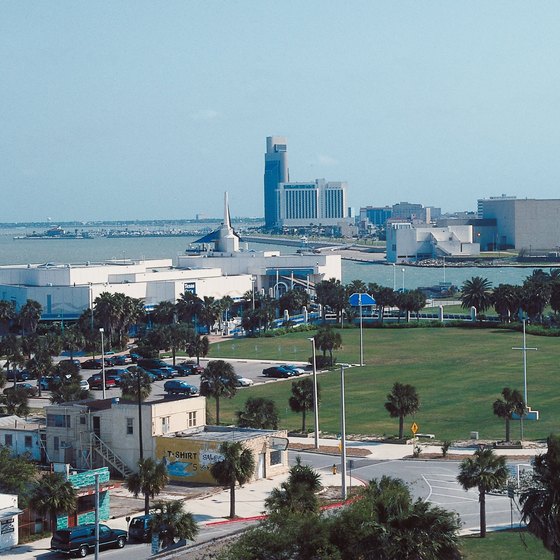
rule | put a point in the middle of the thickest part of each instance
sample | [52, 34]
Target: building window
[56, 443]
[192, 419]
[165, 424]
[275, 458]
[8, 440]
[28, 442]
[58, 420]
[83, 420]
[129, 426]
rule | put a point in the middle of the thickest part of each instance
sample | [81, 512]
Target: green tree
[197, 345]
[15, 402]
[384, 297]
[72, 340]
[188, 307]
[52, 495]
[301, 399]
[476, 293]
[298, 494]
[7, 316]
[171, 522]
[236, 466]
[16, 475]
[164, 313]
[217, 381]
[511, 404]
[260, 413]
[328, 340]
[150, 479]
[540, 503]
[402, 401]
[505, 298]
[485, 471]
[29, 316]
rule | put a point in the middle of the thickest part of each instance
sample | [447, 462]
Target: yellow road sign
[414, 428]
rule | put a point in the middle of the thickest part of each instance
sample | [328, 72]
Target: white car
[244, 381]
[84, 385]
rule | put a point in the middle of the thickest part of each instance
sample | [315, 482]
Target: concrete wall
[8, 525]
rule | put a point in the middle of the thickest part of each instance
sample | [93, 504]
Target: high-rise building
[275, 172]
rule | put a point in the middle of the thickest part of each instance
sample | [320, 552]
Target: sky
[138, 110]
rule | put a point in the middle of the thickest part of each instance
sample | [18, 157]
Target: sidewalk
[213, 507]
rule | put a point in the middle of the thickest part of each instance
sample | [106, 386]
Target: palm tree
[402, 401]
[541, 502]
[171, 522]
[7, 315]
[384, 297]
[11, 349]
[136, 387]
[51, 495]
[302, 398]
[260, 413]
[218, 380]
[150, 480]
[72, 340]
[29, 316]
[328, 340]
[511, 404]
[298, 494]
[164, 313]
[486, 471]
[15, 402]
[236, 466]
[505, 298]
[188, 307]
[476, 293]
[197, 345]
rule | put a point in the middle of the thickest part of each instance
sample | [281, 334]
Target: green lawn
[513, 545]
[457, 372]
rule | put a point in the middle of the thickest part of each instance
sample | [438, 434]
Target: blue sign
[356, 300]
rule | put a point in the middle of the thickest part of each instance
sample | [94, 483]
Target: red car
[96, 382]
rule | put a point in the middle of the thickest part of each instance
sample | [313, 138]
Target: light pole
[394, 277]
[96, 476]
[102, 330]
[343, 434]
[361, 333]
[315, 396]
[253, 291]
[403, 280]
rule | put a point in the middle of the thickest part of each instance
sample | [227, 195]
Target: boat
[57, 232]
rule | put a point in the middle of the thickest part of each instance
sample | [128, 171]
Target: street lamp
[102, 330]
[403, 280]
[315, 396]
[361, 334]
[343, 434]
[394, 277]
[253, 290]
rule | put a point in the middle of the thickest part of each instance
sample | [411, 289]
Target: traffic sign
[355, 300]
[414, 428]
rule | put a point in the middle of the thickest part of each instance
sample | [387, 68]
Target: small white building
[9, 512]
[407, 243]
[21, 436]
[104, 432]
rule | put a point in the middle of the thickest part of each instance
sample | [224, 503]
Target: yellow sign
[414, 428]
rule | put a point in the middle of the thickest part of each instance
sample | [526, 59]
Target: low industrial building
[190, 454]
[21, 436]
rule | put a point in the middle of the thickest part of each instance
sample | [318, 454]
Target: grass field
[458, 374]
[513, 545]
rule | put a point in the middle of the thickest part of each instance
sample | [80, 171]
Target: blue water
[22, 251]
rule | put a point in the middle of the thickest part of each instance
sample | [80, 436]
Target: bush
[445, 447]
[322, 361]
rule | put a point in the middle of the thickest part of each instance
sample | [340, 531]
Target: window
[58, 421]
[275, 458]
[165, 424]
[129, 426]
[28, 442]
[8, 440]
[56, 443]
[192, 419]
[83, 420]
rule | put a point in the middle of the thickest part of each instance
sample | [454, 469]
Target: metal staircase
[109, 455]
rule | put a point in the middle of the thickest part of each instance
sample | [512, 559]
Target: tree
[236, 466]
[171, 522]
[293, 301]
[29, 316]
[328, 340]
[505, 298]
[476, 293]
[149, 481]
[188, 307]
[541, 502]
[7, 315]
[15, 402]
[197, 345]
[298, 494]
[72, 340]
[511, 404]
[16, 475]
[486, 471]
[260, 413]
[218, 380]
[302, 398]
[164, 313]
[384, 297]
[52, 495]
[402, 401]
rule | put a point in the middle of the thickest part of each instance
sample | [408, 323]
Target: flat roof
[222, 434]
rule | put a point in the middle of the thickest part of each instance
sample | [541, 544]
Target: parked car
[134, 357]
[80, 540]
[77, 363]
[19, 375]
[140, 528]
[278, 371]
[84, 385]
[151, 363]
[177, 387]
[121, 360]
[243, 381]
[191, 366]
[116, 374]
[30, 390]
[96, 382]
[168, 372]
[152, 376]
[92, 364]
[296, 369]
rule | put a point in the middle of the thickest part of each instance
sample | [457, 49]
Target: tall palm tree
[171, 522]
[149, 481]
[51, 495]
[164, 313]
[218, 380]
[476, 293]
[540, 504]
[505, 298]
[236, 466]
[29, 316]
[511, 404]
[72, 340]
[486, 471]
[11, 349]
[327, 340]
[7, 315]
[15, 402]
[402, 401]
[188, 307]
[197, 345]
[301, 399]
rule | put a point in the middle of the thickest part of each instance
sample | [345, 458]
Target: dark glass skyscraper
[275, 172]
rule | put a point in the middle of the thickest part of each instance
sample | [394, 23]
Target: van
[140, 528]
[80, 540]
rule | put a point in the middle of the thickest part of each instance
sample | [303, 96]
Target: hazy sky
[135, 109]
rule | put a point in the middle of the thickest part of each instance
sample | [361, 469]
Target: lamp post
[253, 291]
[403, 280]
[315, 396]
[361, 334]
[102, 331]
[343, 434]
[96, 477]
[394, 277]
